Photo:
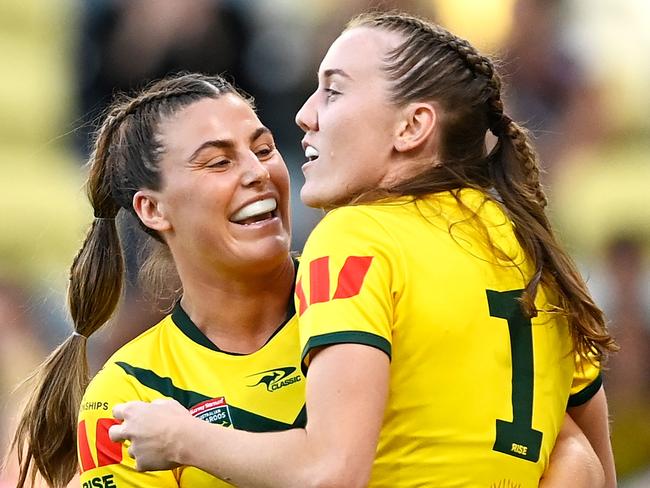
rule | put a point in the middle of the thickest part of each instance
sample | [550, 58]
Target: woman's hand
[164, 435]
[155, 431]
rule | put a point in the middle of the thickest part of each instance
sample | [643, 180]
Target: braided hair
[124, 159]
[432, 64]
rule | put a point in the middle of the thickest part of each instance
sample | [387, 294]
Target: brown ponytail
[515, 175]
[433, 64]
[125, 158]
[45, 438]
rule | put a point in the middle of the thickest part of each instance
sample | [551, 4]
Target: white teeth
[254, 209]
[311, 152]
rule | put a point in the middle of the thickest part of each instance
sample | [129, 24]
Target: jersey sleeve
[346, 284]
[103, 462]
[587, 380]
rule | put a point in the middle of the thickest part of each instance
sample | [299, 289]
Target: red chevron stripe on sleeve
[108, 452]
[351, 276]
[319, 280]
[85, 456]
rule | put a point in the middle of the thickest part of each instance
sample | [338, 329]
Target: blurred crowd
[576, 71]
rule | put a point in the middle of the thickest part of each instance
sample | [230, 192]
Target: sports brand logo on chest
[274, 379]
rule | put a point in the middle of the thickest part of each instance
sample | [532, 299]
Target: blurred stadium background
[577, 71]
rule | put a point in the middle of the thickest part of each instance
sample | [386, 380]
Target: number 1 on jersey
[517, 438]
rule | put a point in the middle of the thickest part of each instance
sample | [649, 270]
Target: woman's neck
[239, 313]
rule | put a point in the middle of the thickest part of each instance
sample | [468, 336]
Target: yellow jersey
[477, 390]
[259, 392]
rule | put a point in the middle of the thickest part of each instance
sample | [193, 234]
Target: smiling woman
[191, 160]
[443, 329]
[213, 149]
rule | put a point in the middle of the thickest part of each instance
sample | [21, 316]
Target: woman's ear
[416, 126]
[150, 210]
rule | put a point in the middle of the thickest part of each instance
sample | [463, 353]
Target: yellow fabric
[586, 381]
[424, 300]
[262, 391]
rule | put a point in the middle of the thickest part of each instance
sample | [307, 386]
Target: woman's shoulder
[361, 217]
[138, 350]
[348, 228]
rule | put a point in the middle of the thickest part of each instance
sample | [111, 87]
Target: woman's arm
[102, 462]
[573, 461]
[347, 388]
[592, 418]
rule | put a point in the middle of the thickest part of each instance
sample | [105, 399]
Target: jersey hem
[345, 337]
[587, 394]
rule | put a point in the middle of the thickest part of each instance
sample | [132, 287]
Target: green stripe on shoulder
[587, 393]
[345, 337]
[241, 419]
[164, 386]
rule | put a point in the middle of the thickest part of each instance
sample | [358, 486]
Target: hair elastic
[75, 333]
[501, 126]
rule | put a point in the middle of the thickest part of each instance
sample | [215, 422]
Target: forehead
[360, 51]
[226, 117]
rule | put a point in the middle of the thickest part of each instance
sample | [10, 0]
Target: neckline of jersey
[186, 325]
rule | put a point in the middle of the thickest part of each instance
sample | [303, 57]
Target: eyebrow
[226, 143]
[335, 71]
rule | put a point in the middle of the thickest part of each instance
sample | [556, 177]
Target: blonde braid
[528, 158]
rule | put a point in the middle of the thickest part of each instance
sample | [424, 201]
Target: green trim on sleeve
[587, 393]
[345, 337]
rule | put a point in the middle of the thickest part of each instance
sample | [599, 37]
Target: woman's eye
[331, 93]
[264, 152]
[218, 163]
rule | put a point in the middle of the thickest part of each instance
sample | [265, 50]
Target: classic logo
[277, 378]
[215, 411]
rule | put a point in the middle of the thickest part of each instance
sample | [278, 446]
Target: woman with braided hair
[443, 329]
[190, 160]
